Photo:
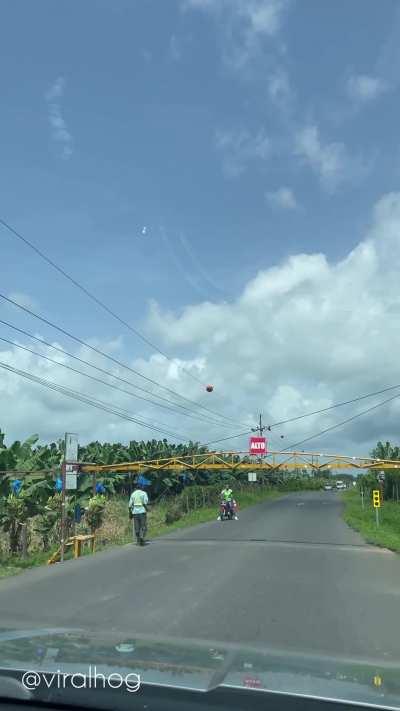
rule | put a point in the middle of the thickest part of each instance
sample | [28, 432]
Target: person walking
[138, 504]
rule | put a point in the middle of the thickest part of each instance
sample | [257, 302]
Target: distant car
[328, 487]
[340, 485]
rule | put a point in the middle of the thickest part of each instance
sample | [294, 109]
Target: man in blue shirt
[138, 504]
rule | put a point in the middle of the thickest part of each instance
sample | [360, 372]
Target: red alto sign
[258, 445]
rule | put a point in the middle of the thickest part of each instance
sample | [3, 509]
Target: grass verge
[363, 521]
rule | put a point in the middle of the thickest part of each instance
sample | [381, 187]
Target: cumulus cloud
[302, 335]
[27, 406]
[364, 88]
[59, 130]
[307, 333]
[283, 198]
[239, 148]
[331, 161]
[245, 25]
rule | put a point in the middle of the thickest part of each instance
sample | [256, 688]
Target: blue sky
[169, 151]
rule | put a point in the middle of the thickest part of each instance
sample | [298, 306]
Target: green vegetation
[390, 485]
[194, 505]
[363, 520]
[30, 499]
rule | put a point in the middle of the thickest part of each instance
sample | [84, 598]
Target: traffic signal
[376, 498]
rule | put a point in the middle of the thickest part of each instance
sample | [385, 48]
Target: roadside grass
[116, 529]
[12, 565]
[363, 521]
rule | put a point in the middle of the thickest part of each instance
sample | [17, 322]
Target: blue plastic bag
[16, 486]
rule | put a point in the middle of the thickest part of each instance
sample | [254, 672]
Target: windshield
[199, 228]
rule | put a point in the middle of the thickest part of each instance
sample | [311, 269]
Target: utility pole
[260, 429]
[70, 456]
[63, 508]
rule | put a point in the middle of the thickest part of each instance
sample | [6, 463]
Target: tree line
[389, 483]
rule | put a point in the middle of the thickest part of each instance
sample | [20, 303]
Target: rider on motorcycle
[227, 499]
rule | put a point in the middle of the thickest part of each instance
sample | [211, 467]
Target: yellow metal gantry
[273, 461]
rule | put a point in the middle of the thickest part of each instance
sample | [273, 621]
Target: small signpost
[376, 500]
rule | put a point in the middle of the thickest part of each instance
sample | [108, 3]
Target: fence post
[24, 541]
[187, 504]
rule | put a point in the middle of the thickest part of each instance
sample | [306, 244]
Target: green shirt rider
[227, 498]
[227, 493]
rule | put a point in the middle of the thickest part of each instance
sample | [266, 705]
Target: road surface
[289, 575]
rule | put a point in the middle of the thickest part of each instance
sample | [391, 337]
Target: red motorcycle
[227, 510]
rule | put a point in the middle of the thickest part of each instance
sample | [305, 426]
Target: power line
[189, 413]
[343, 422]
[332, 407]
[105, 407]
[92, 296]
[223, 439]
[111, 358]
[99, 404]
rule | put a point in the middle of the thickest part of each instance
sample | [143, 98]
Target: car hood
[200, 666]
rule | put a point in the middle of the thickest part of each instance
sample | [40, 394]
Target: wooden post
[24, 540]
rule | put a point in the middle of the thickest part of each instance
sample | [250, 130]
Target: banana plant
[94, 514]
[15, 511]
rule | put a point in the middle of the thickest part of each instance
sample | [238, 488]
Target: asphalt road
[289, 575]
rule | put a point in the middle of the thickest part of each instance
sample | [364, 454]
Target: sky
[224, 175]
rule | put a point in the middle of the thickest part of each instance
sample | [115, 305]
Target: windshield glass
[199, 450]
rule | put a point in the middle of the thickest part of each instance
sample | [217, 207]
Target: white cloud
[365, 88]
[302, 335]
[263, 17]
[282, 198]
[239, 148]
[310, 329]
[330, 161]
[245, 25]
[59, 130]
[27, 407]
